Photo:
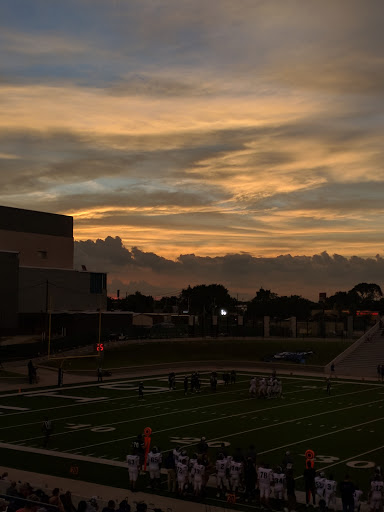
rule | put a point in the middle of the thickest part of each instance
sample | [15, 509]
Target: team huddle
[265, 387]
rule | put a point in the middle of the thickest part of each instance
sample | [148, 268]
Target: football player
[252, 388]
[330, 493]
[265, 479]
[141, 391]
[191, 465]
[176, 454]
[262, 391]
[235, 473]
[356, 499]
[320, 485]
[154, 462]
[133, 462]
[182, 473]
[221, 474]
[375, 498]
[198, 474]
[279, 480]
[183, 457]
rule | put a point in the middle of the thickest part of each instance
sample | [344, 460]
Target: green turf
[154, 352]
[344, 427]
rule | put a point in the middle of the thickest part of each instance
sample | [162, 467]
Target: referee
[47, 430]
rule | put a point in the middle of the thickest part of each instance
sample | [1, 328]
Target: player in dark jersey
[141, 391]
[47, 430]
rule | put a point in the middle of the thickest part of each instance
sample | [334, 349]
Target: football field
[95, 423]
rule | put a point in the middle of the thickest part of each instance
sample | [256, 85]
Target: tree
[368, 291]
[206, 299]
[267, 303]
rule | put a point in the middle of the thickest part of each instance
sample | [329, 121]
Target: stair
[362, 358]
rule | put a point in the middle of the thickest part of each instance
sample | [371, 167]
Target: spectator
[55, 499]
[82, 506]
[92, 505]
[29, 505]
[347, 490]
[4, 476]
[124, 506]
[3, 505]
[12, 491]
[25, 490]
[110, 507]
[66, 500]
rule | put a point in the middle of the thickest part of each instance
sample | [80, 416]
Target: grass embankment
[155, 352]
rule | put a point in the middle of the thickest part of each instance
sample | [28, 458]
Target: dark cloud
[241, 273]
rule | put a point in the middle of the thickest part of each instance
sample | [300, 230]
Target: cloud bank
[133, 270]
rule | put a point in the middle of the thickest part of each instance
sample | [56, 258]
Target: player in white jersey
[330, 493]
[235, 473]
[133, 462]
[252, 388]
[191, 464]
[265, 479]
[279, 484]
[376, 493]
[221, 474]
[183, 458]
[279, 388]
[182, 473]
[269, 387]
[357, 499]
[262, 391]
[176, 454]
[154, 461]
[198, 475]
[320, 485]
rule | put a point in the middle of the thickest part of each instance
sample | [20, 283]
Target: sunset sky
[238, 142]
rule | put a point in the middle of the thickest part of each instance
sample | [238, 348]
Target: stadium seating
[361, 358]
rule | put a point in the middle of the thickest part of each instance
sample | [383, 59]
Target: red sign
[100, 347]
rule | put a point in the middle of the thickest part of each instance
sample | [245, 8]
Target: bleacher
[361, 358]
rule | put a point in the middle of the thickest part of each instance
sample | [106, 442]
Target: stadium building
[37, 271]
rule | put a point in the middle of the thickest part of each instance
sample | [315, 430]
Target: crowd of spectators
[237, 478]
[23, 497]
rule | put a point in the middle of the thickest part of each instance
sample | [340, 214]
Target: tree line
[213, 299]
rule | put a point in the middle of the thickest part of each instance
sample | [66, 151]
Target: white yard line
[350, 427]
[125, 397]
[125, 408]
[97, 460]
[349, 458]
[119, 408]
[178, 411]
[14, 408]
[241, 414]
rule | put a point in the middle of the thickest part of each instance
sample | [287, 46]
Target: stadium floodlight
[223, 312]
